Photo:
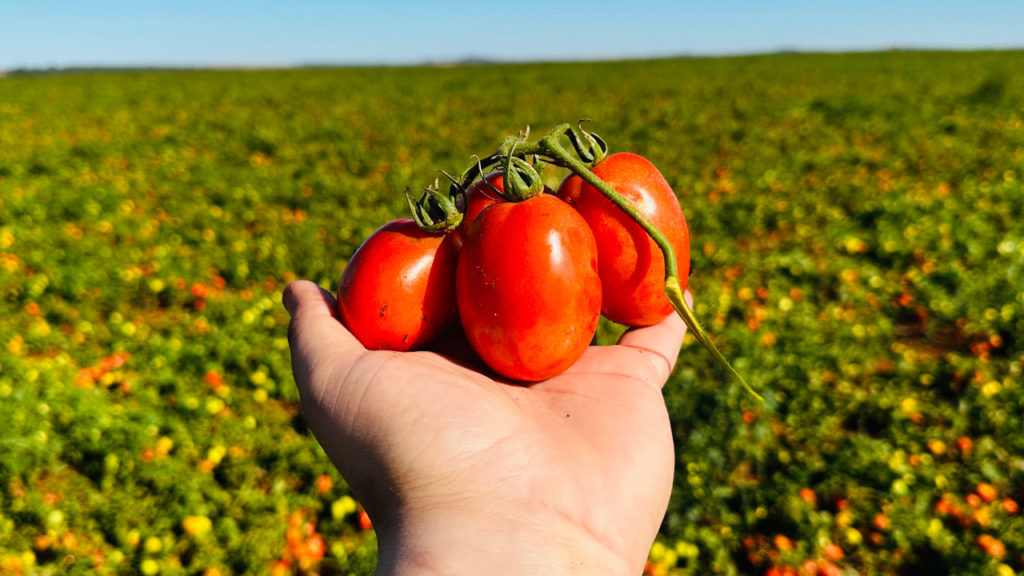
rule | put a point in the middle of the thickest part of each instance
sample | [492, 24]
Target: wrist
[457, 541]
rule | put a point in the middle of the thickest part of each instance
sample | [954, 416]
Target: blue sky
[43, 33]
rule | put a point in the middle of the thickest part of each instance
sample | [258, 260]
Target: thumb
[316, 336]
[305, 296]
[663, 340]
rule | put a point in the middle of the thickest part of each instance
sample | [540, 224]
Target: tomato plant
[857, 250]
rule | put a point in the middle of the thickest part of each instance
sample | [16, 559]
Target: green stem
[475, 170]
[675, 296]
[550, 146]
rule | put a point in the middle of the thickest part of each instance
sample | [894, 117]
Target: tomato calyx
[436, 211]
[595, 150]
[522, 181]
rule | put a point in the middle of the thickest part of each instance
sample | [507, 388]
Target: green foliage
[858, 253]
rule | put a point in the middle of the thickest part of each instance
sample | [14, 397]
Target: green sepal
[595, 150]
[522, 181]
[435, 211]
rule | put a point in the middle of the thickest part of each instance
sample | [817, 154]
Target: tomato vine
[522, 181]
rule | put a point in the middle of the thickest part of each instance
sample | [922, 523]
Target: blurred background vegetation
[858, 253]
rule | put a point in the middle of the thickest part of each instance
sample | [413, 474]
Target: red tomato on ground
[632, 266]
[528, 290]
[987, 492]
[364, 520]
[398, 291]
[479, 196]
[323, 484]
[808, 495]
[834, 552]
[314, 548]
[826, 568]
[280, 568]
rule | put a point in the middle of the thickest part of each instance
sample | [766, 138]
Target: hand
[462, 472]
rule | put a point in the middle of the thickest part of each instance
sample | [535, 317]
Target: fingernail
[288, 301]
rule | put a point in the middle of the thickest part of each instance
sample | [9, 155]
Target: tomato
[808, 495]
[826, 568]
[834, 552]
[528, 290]
[987, 492]
[323, 484]
[314, 548]
[398, 291]
[364, 520]
[479, 196]
[632, 266]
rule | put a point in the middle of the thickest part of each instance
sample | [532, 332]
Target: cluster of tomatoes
[305, 547]
[983, 502]
[527, 271]
[88, 377]
[819, 567]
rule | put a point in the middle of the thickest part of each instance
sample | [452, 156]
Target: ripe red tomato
[398, 291]
[632, 266]
[324, 484]
[834, 552]
[808, 495]
[987, 492]
[826, 568]
[364, 520]
[479, 196]
[528, 290]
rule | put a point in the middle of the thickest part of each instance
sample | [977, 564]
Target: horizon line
[474, 60]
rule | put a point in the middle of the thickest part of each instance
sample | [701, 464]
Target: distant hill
[79, 71]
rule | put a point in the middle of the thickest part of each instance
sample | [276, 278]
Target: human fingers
[315, 334]
[660, 342]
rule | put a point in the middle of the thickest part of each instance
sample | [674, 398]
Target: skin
[528, 291]
[463, 475]
[398, 291]
[632, 267]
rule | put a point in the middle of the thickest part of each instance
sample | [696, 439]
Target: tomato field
[857, 243]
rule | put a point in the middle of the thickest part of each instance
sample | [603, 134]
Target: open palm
[463, 472]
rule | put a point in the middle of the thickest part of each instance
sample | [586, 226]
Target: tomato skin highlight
[480, 196]
[632, 266]
[528, 290]
[398, 290]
